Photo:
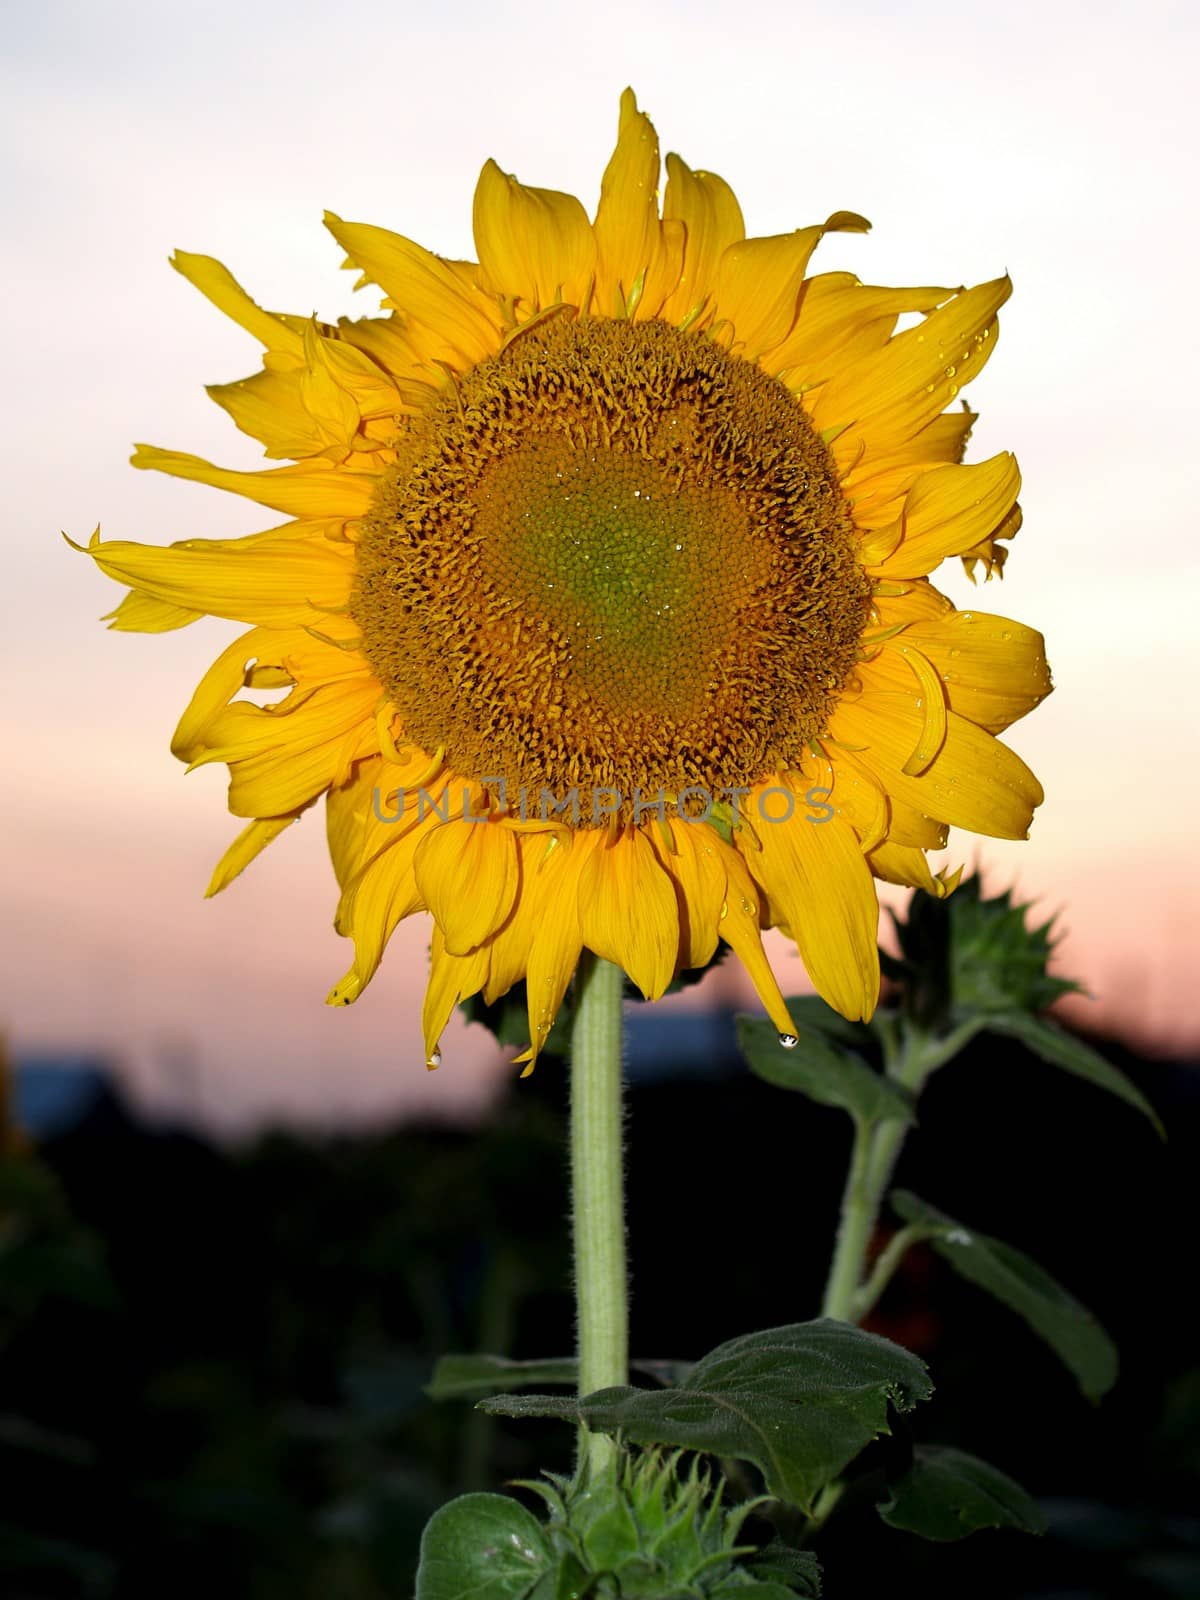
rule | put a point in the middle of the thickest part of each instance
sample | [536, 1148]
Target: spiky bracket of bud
[646, 1527]
[969, 954]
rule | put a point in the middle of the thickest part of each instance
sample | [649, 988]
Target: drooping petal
[558, 936]
[309, 749]
[741, 929]
[820, 889]
[451, 979]
[627, 909]
[467, 873]
[693, 864]
[369, 912]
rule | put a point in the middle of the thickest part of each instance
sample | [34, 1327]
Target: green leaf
[1069, 1328]
[465, 1376]
[481, 1547]
[820, 1069]
[947, 1494]
[1061, 1049]
[800, 1402]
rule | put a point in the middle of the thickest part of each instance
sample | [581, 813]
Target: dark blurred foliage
[211, 1361]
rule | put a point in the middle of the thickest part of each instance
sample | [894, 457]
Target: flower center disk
[617, 558]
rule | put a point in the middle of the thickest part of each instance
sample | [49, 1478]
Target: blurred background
[258, 1219]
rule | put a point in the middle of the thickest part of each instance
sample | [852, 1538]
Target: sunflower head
[631, 546]
[602, 611]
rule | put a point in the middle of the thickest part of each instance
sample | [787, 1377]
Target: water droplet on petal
[789, 1041]
[434, 1061]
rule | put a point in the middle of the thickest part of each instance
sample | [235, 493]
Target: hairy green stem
[884, 1269]
[598, 1194]
[854, 1229]
[910, 1057]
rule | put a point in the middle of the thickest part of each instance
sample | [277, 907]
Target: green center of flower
[643, 577]
[617, 558]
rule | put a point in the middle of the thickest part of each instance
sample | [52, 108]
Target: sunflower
[601, 617]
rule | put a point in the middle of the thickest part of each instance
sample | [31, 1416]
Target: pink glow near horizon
[975, 144]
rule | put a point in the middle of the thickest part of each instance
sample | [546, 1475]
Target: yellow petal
[627, 224]
[994, 670]
[693, 863]
[380, 801]
[422, 287]
[976, 782]
[740, 928]
[709, 211]
[858, 794]
[854, 794]
[215, 690]
[949, 510]
[917, 601]
[876, 484]
[228, 674]
[664, 272]
[892, 394]
[820, 887]
[282, 756]
[348, 816]
[372, 906]
[759, 282]
[219, 285]
[509, 946]
[533, 243]
[931, 703]
[268, 407]
[909, 868]
[467, 872]
[314, 489]
[252, 841]
[145, 613]
[451, 979]
[627, 909]
[841, 319]
[408, 353]
[288, 575]
[557, 940]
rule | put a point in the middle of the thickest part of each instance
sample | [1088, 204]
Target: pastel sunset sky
[1057, 142]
